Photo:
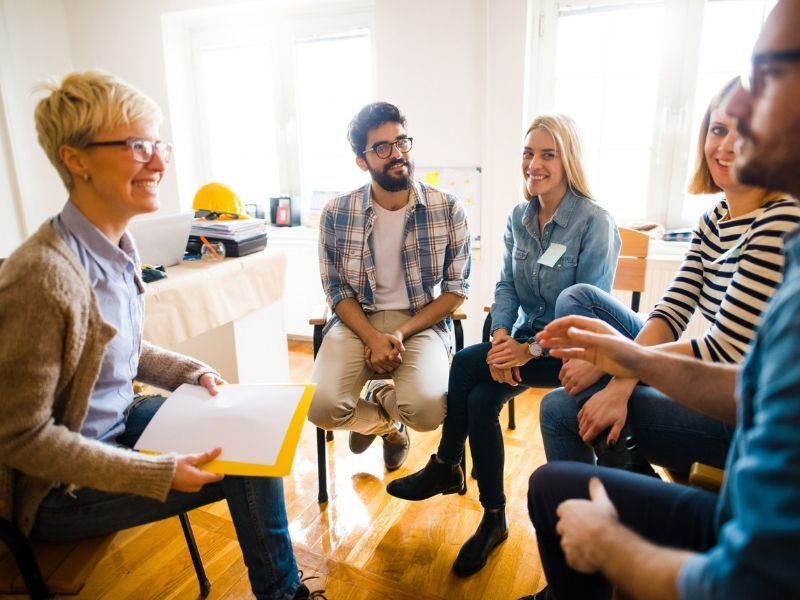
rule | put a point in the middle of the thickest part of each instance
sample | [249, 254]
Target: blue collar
[109, 257]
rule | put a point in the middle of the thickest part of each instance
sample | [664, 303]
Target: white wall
[455, 67]
[30, 189]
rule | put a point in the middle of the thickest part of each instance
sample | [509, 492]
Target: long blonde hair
[568, 144]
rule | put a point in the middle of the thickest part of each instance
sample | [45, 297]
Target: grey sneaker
[359, 442]
[395, 448]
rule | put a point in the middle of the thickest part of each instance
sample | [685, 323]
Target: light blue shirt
[525, 297]
[113, 273]
[758, 515]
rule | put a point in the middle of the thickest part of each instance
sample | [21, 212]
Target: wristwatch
[535, 348]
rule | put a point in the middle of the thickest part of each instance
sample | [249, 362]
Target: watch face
[535, 349]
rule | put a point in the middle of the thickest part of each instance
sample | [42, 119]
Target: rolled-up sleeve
[458, 256]
[333, 284]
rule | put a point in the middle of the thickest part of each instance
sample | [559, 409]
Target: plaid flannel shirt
[436, 250]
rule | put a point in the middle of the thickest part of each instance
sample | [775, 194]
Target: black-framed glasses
[384, 149]
[753, 79]
[142, 150]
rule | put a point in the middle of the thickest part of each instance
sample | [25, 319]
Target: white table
[228, 314]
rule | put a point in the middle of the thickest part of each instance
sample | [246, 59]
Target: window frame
[673, 138]
[188, 34]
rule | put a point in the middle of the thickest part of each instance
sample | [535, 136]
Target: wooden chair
[318, 320]
[630, 276]
[43, 569]
[700, 476]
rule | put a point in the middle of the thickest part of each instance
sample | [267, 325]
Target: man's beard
[392, 183]
[759, 167]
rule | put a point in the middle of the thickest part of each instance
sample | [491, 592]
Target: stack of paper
[234, 229]
[257, 426]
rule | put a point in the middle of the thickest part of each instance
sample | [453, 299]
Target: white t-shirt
[387, 246]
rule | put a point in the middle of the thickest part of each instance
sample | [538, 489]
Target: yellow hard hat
[218, 198]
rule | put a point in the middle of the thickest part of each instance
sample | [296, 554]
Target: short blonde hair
[568, 144]
[700, 181]
[83, 105]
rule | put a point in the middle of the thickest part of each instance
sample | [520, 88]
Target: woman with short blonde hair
[71, 312]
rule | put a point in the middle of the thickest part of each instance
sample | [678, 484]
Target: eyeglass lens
[384, 149]
[143, 150]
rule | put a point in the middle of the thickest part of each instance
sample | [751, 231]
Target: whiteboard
[464, 182]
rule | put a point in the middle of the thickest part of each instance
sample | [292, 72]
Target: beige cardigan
[52, 346]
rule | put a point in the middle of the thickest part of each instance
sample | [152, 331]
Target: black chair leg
[322, 467]
[23, 553]
[197, 561]
[512, 422]
[463, 489]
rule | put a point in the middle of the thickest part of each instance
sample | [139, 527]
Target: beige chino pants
[420, 382]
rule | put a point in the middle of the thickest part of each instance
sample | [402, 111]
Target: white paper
[249, 422]
[552, 254]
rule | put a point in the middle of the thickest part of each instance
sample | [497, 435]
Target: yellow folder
[257, 426]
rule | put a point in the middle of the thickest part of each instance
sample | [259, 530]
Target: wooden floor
[363, 544]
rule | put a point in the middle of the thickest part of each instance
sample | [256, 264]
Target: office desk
[228, 314]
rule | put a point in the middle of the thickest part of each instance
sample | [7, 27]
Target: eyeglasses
[142, 150]
[753, 79]
[384, 149]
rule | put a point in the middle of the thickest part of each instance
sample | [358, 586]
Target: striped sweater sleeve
[737, 283]
[759, 271]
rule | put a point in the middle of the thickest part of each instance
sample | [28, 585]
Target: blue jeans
[668, 433]
[256, 505]
[474, 401]
[667, 514]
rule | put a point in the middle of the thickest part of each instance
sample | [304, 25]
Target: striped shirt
[729, 273]
[435, 253]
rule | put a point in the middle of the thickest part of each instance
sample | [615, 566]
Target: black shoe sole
[477, 568]
[445, 492]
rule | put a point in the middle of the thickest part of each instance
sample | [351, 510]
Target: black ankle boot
[622, 455]
[490, 533]
[435, 478]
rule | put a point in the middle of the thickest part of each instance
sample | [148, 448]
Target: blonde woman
[554, 239]
[71, 310]
[733, 265]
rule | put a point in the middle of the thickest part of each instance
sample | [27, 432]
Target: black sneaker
[303, 593]
[359, 442]
[435, 478]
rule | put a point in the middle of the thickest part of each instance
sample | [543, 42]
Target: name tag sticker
[734, 252]
[552, 254]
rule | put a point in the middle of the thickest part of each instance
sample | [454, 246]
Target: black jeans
[667, 514]
[474, 401]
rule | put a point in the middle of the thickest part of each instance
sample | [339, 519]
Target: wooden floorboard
[363, 544]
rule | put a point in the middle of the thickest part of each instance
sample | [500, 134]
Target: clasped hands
[505, 357]
[383, 353]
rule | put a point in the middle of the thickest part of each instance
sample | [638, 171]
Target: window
[328, 96]
[637, 76]
[271, 90]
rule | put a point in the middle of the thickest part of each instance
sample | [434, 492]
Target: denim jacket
[525, 297]
[758, 512]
